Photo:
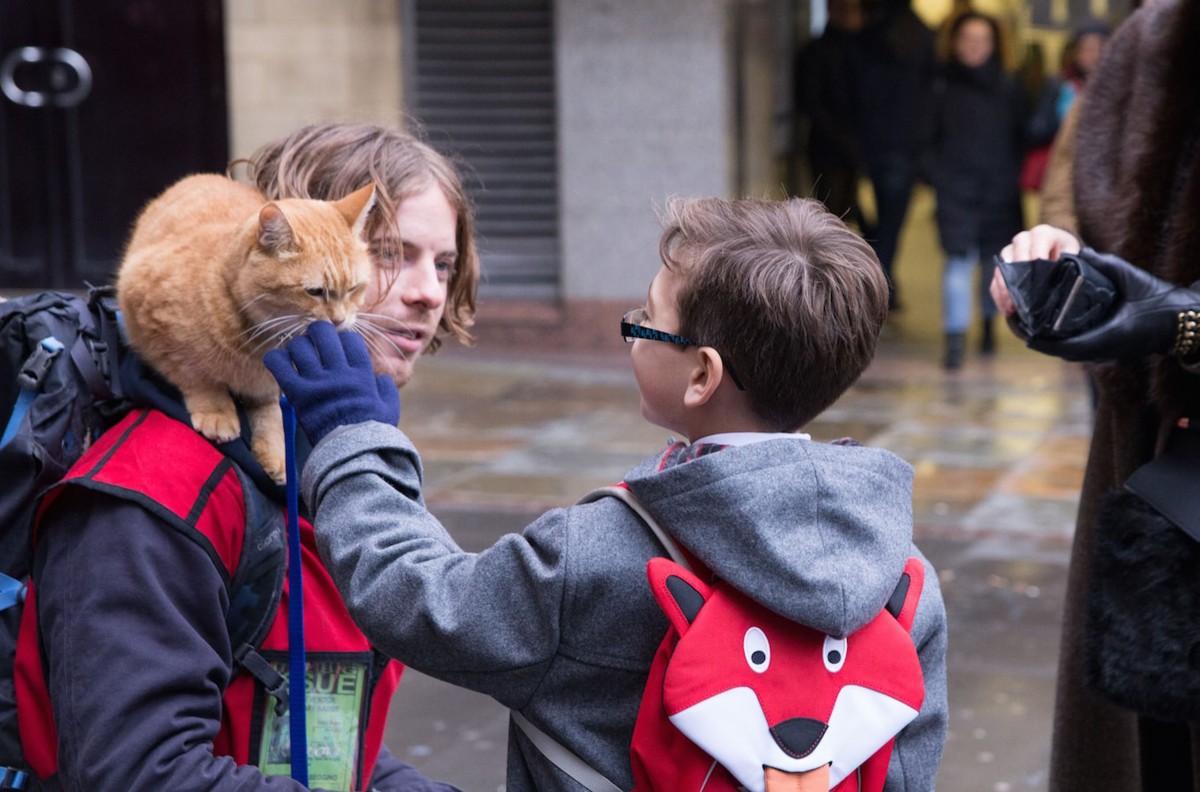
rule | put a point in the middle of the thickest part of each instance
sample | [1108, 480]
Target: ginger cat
[214, 276]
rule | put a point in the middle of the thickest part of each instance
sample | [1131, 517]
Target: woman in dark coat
[1137, 192]
[973, 162]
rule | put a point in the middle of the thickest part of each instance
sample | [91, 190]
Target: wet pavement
[998, 449]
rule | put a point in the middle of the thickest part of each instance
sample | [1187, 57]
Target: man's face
[408, 296]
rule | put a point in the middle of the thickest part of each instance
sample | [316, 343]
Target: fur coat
[1137, 194]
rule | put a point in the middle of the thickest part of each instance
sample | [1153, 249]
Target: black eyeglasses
[633, 327]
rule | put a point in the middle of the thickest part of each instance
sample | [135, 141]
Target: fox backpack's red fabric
[735, 689]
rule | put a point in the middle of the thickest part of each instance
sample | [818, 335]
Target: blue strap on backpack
[29, 380]
[297, 714]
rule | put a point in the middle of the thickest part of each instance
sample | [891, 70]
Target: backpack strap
[622, 493]
[94, 354]
[562, 758]
[558, 754]
[29, 379]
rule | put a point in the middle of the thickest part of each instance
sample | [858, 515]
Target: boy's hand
[330, 381]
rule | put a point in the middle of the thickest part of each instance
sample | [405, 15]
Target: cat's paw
[273, 461]
[219, 427]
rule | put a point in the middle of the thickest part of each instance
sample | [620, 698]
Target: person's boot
[987, 341]
[954, 351]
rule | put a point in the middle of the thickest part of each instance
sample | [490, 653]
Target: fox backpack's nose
[798, 737]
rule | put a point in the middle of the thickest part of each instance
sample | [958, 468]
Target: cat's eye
[319, 293]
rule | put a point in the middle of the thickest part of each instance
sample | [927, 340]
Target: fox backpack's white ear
[680, 594]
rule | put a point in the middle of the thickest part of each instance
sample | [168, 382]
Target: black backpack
[58, 392]
[60, 389]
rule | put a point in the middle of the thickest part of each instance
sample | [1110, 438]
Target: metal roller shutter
[481, 82]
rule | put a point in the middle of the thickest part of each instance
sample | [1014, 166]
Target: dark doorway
[103, 103]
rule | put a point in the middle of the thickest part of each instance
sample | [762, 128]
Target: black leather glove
[1142, 321]
[329, 380]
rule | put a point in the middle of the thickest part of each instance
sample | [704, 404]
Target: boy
[558, 622]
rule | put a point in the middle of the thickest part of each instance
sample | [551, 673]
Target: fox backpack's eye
[834, 653]
[757, 649]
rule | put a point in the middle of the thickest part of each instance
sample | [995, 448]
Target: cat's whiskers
[373, 334]
[383, 322]
[247, 304]
[273, 332]
[255, 330]
[372, 346]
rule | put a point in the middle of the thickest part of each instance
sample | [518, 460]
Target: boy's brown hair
[790, 297]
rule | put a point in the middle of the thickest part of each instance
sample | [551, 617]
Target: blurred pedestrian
[1058, 96]
[892, 70]
[1080, 58]
[975, 140]
[822, 85]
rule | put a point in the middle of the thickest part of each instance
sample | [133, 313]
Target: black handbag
[1142, 606]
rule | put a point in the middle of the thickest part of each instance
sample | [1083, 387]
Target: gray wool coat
[558, 621]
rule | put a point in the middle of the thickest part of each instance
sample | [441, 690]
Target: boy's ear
[705, 378]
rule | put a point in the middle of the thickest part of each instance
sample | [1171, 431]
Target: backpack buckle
[38, 364]
[272, 681]
[13, 778]
[99, 350]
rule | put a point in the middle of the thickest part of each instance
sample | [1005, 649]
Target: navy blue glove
[328, 378]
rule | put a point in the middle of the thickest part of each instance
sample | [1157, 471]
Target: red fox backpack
[59, 390]
[740, 697]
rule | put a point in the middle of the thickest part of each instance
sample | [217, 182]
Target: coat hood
[818, 533]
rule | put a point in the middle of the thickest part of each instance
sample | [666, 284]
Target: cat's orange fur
[214, 276]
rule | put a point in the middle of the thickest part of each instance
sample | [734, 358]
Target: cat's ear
[356, 206]
[275, 234]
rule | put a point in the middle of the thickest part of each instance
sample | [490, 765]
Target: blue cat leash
[297, 715]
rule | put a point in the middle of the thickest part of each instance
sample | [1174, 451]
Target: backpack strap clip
[13, 778]
[38, 364]
[272, 681]
[100, 356]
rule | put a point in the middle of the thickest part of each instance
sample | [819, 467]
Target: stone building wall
[292, 62]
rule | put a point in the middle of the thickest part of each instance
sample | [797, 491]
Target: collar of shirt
[746, 438]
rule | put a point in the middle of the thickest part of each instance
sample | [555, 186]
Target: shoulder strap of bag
[562, 758]
[558, 754]
[624, 495]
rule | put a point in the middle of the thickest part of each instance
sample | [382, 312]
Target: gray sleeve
[917, 752]
[487, 621]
